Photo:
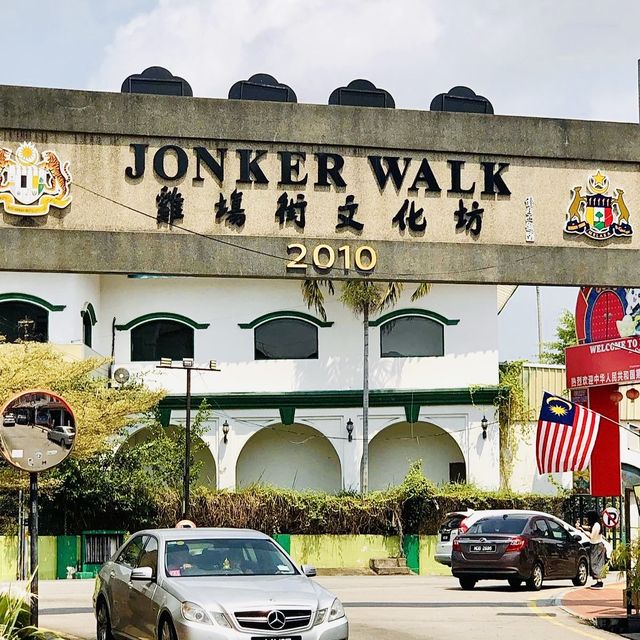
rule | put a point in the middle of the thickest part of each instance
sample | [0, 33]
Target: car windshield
[225, 557]
[500, 524]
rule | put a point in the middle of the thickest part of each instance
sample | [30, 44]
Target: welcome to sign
[234, 188]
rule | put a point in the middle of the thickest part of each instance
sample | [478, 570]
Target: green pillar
[66, 555]
[411, 549]
[284, 540]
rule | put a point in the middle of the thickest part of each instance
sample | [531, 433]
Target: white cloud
[314, 46]
[542, 57]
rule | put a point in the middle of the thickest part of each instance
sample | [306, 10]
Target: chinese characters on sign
[169, 204]
[234, 216]
[414, 219]
[291, 211]
[529, 233]
[346, 213]
[470, 221]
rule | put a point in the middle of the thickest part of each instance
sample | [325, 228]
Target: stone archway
[207, 474]
[290, 456]
[392, 451]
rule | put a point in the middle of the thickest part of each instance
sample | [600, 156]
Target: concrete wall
[47, 557]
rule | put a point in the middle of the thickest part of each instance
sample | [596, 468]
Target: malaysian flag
[566, 435]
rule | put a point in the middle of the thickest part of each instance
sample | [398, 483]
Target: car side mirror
[142, 573]
[309, 570]
[577, 537]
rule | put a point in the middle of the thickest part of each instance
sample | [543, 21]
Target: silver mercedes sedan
[212, 584]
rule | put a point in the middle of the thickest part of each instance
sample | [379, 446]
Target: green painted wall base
[324, 551]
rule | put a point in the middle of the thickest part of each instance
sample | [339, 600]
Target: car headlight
[336, 611]
[194, 613]
[320, 614]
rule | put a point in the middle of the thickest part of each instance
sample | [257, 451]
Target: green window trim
[277, 315]
[162, 316]
[91, 312]
[400, 313]
[343, 398]
[25, 297]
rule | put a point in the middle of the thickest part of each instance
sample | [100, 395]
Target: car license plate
[444, 537]
[276, 637]
[482, 548]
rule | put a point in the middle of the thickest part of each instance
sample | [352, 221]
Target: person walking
[598, 552]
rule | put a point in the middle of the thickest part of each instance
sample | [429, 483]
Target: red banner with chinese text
[603, 363]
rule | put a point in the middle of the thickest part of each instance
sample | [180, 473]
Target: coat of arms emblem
[31, 183]
[598, 215]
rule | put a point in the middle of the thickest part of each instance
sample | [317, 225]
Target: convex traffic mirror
[37, 430]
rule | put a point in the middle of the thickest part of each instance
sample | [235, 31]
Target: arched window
[411, 336]
[157, 339]
[286, 339]
[23, 322]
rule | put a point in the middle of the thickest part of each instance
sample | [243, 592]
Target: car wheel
[467, 583]
[103, 623]
[167, 630]
[534, 583]
[515, 583]
[583, 573]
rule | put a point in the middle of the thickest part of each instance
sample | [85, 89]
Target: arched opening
[22, 321]
[394, 449]
[199, 450]
[157, 339]
[87, 329]
[290, 456]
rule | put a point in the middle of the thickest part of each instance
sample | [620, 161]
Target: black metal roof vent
[362, 93]
[461, 99]
[262, 86]
[157, 81]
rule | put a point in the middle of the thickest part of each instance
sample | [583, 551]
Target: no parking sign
[611, 517]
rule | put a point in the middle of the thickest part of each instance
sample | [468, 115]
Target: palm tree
[364, 298]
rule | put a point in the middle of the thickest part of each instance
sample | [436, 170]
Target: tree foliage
[101, 411]
[553, 352]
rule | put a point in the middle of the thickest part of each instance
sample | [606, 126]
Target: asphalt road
[30, 447]
[387, 608]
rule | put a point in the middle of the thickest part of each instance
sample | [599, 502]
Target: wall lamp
[485, 423]
[225, 431]
[350, 429]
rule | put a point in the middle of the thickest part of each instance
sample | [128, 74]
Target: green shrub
[119, 500]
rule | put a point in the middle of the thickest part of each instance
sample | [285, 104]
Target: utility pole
[539, 306]
[187, 364]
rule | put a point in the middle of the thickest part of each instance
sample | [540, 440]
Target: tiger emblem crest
[31, 183]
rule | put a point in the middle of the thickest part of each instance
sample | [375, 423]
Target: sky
[544, 58]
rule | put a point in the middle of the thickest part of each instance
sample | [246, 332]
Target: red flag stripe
[559, 455]
[546, 428]
[551, 445]
[583, 443]
[593, 422]
[540, 437]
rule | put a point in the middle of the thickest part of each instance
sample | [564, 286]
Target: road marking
[533, 604]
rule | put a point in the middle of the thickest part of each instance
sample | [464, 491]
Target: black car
[519, 547]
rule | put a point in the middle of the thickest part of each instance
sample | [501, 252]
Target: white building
[289, 382]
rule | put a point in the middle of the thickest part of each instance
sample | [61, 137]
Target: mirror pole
[33, 543]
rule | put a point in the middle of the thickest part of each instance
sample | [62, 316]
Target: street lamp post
[187, 364]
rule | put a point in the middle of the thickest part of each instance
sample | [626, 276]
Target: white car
[212, 584]
[458, 522]
[447, 532]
